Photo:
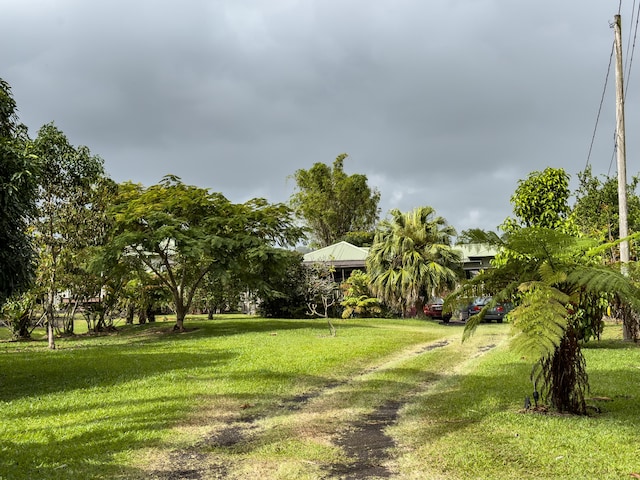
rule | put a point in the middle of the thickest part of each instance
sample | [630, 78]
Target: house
[345, 258]
[342, 256]
[476, 257]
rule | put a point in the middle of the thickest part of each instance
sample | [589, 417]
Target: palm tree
[412, 257]
[560, 287]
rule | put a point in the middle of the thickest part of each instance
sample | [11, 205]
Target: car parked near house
[497, 312]
[433, 309]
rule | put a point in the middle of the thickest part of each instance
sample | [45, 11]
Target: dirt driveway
[227, 447]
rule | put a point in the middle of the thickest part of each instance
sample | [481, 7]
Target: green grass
[116, 406]
[88, 408]
[473, 425]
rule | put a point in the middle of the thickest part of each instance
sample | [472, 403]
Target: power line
[631, 45]
[604, 90]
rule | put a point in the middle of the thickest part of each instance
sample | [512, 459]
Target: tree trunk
[50, 320]
[566, 377]
[181, 312]
[50, 335]
[142, 316]
[630, 321]
[21, 328]
[130, 314]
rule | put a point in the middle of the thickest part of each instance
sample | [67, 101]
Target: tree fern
[559, 288]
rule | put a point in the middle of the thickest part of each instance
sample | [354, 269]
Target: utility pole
[629, 319]
[621, 148]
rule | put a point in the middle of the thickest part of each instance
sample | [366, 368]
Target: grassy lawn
[472, 425]
[127, 405]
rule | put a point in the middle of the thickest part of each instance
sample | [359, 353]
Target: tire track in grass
[364, 441]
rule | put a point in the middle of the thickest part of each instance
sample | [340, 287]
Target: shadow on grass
[35, 374]
[84, 437]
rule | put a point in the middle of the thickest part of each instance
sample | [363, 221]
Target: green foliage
[560, 292]
[67, 221]
[356, 298]
[596, 211]
[360, 238]
[18, 174]
[287, 293]
[540, 319]
[541, 201]
[412, 257]
[183, 233]
[332, 203]
[16, 314]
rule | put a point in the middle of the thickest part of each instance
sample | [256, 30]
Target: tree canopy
[183, 233]
[18, 182]
[332, 203]
[542, 199]
[596, 211]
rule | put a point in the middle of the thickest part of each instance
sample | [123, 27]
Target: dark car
[496, 312]
[433, 309]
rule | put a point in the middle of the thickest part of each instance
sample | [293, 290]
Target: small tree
[65, 210]
[322, 292]
[356, 298]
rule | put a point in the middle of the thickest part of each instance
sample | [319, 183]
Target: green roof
[338, 252]
[470, 251]
[347, 254]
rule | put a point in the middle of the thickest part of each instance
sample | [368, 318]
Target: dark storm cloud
[443, 103]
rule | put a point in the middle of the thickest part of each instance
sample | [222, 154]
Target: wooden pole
[630, 319]
[621, 147]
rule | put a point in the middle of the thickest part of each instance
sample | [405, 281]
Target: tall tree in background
[412, 257]
[596, 211]
[18, 174]
[332, 203]
[65, 214]
[183, 233]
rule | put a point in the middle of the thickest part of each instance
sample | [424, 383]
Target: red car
[433, 309]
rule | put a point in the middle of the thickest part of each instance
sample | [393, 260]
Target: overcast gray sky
[444, 103]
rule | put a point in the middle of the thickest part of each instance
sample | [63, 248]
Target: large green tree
[333, 204]
[66, 213]
[18, 175]
[183, 233]
[412, 257]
